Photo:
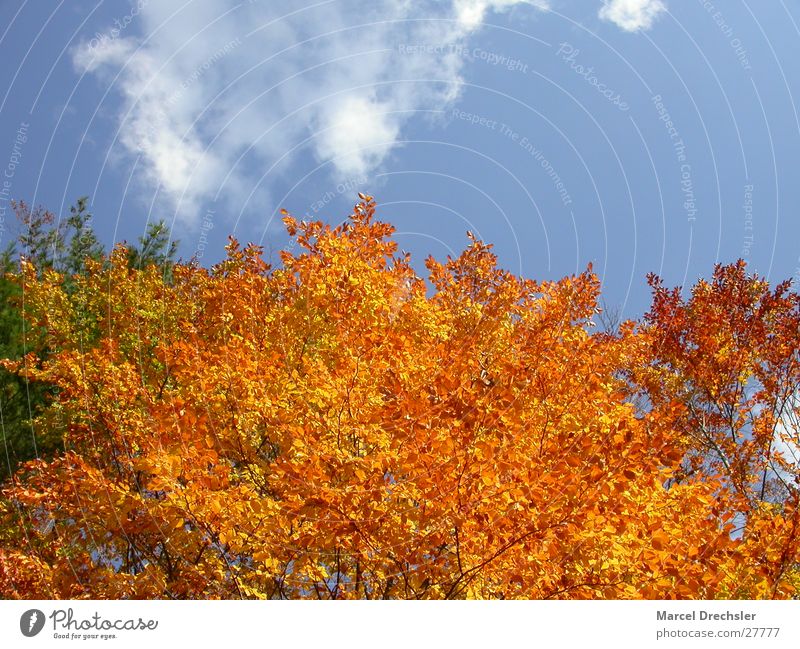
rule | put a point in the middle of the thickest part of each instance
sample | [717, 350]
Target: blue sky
[638, 135]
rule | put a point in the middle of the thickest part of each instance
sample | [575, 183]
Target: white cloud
[222, 91]
[632, 15]
[357, 134]
[210, 82]
[98, 53]
[471, 13]
[786, 440]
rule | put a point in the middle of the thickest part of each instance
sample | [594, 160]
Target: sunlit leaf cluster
[337, 426]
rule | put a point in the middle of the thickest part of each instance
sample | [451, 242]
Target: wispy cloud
[471, 13]
[220, 97]
[632, 15]
[219, 89]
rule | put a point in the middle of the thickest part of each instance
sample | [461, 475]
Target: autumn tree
[723, 368]
[41, 240]
[47, 242]
[340, 427]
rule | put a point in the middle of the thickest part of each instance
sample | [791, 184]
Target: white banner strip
[397, 624]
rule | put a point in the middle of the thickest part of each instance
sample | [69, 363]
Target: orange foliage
[338, 428]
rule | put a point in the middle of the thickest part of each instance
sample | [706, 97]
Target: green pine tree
[83, 243]
[156, 248]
